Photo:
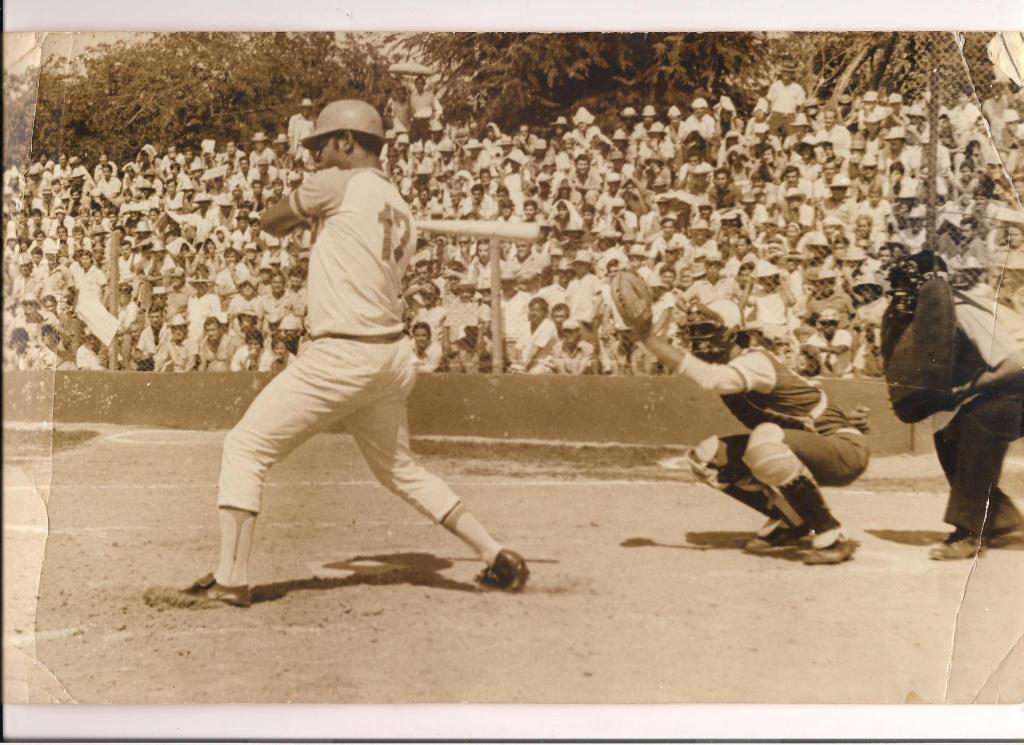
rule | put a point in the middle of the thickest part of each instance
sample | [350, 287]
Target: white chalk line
[504, 483]
[86, 530]
[151, 437]
[192, 437]
[43, 426]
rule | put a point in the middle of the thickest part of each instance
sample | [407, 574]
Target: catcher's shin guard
[709, 463]
[801, 498]
[755, 496]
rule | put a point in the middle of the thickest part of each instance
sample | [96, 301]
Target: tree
[182, 88]
[513, 78]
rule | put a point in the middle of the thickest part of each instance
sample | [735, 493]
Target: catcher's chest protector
[919, 358]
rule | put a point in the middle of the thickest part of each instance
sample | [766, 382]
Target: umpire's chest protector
[920, 355]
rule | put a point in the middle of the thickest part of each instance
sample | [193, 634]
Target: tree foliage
[511, 78]
[184, 87]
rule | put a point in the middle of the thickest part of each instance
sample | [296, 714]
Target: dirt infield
[639, 590]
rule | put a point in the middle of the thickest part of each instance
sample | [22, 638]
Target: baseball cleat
[840, 550]
[208, 588]
[776, 536]
[960, 544]
[508, 571]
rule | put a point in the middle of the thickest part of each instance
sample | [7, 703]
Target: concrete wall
[649, 410]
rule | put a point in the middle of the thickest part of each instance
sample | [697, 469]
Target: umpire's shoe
[209, 589]
[508, 571]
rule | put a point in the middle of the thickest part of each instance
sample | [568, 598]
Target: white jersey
[365, 238]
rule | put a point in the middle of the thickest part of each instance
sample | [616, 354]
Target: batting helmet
[346, 115]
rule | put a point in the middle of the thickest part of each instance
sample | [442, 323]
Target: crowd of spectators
[794, 210]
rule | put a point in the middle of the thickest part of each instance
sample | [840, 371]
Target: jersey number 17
[388, 218]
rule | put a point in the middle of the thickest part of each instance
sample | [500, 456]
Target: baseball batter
[357, 367]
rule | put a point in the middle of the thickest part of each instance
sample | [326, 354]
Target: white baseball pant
[363, 385]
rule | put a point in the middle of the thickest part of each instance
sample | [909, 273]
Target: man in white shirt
[784, 97]
[583, 295]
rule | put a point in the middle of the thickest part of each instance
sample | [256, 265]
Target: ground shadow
[420, 569]
[910, 537]
[712, 540]
[650, 543]
[733, 540]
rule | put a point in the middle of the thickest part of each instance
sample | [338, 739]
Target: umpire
[978, 415]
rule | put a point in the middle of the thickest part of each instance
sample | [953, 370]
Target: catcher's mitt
[632, 298]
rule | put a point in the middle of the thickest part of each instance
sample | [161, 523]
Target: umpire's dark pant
[971, 449]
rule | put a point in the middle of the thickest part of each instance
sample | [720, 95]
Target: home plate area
[639, 589]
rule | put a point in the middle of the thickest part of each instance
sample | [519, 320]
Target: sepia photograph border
[456, 722]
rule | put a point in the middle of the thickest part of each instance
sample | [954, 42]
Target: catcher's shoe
[960, 544]
[508, 571]
[208, 588]
[829, 547]
[775, 536]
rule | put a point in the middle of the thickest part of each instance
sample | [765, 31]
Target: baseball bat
[503, 231]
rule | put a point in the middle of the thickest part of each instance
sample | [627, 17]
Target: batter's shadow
[712, 540]
[413, 568]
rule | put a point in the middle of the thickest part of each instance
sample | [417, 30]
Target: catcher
[797, 439]
[950, 357]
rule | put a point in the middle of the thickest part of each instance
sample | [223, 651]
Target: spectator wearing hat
[896, 151]
[768, 300]
[838, 202]
[785, 97]
[714, 285]
[24, 283]
[178, 354]
[834, 344]
[699, 122]
[275, 303]
[556, 293]
[203, 302]
[571, 354]
[584, 294]
[514, 314]
[825, 293]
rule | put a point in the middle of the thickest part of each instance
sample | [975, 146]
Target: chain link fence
[948, 79]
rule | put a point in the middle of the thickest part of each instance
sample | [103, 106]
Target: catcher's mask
[707, 335]
[906, 277]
